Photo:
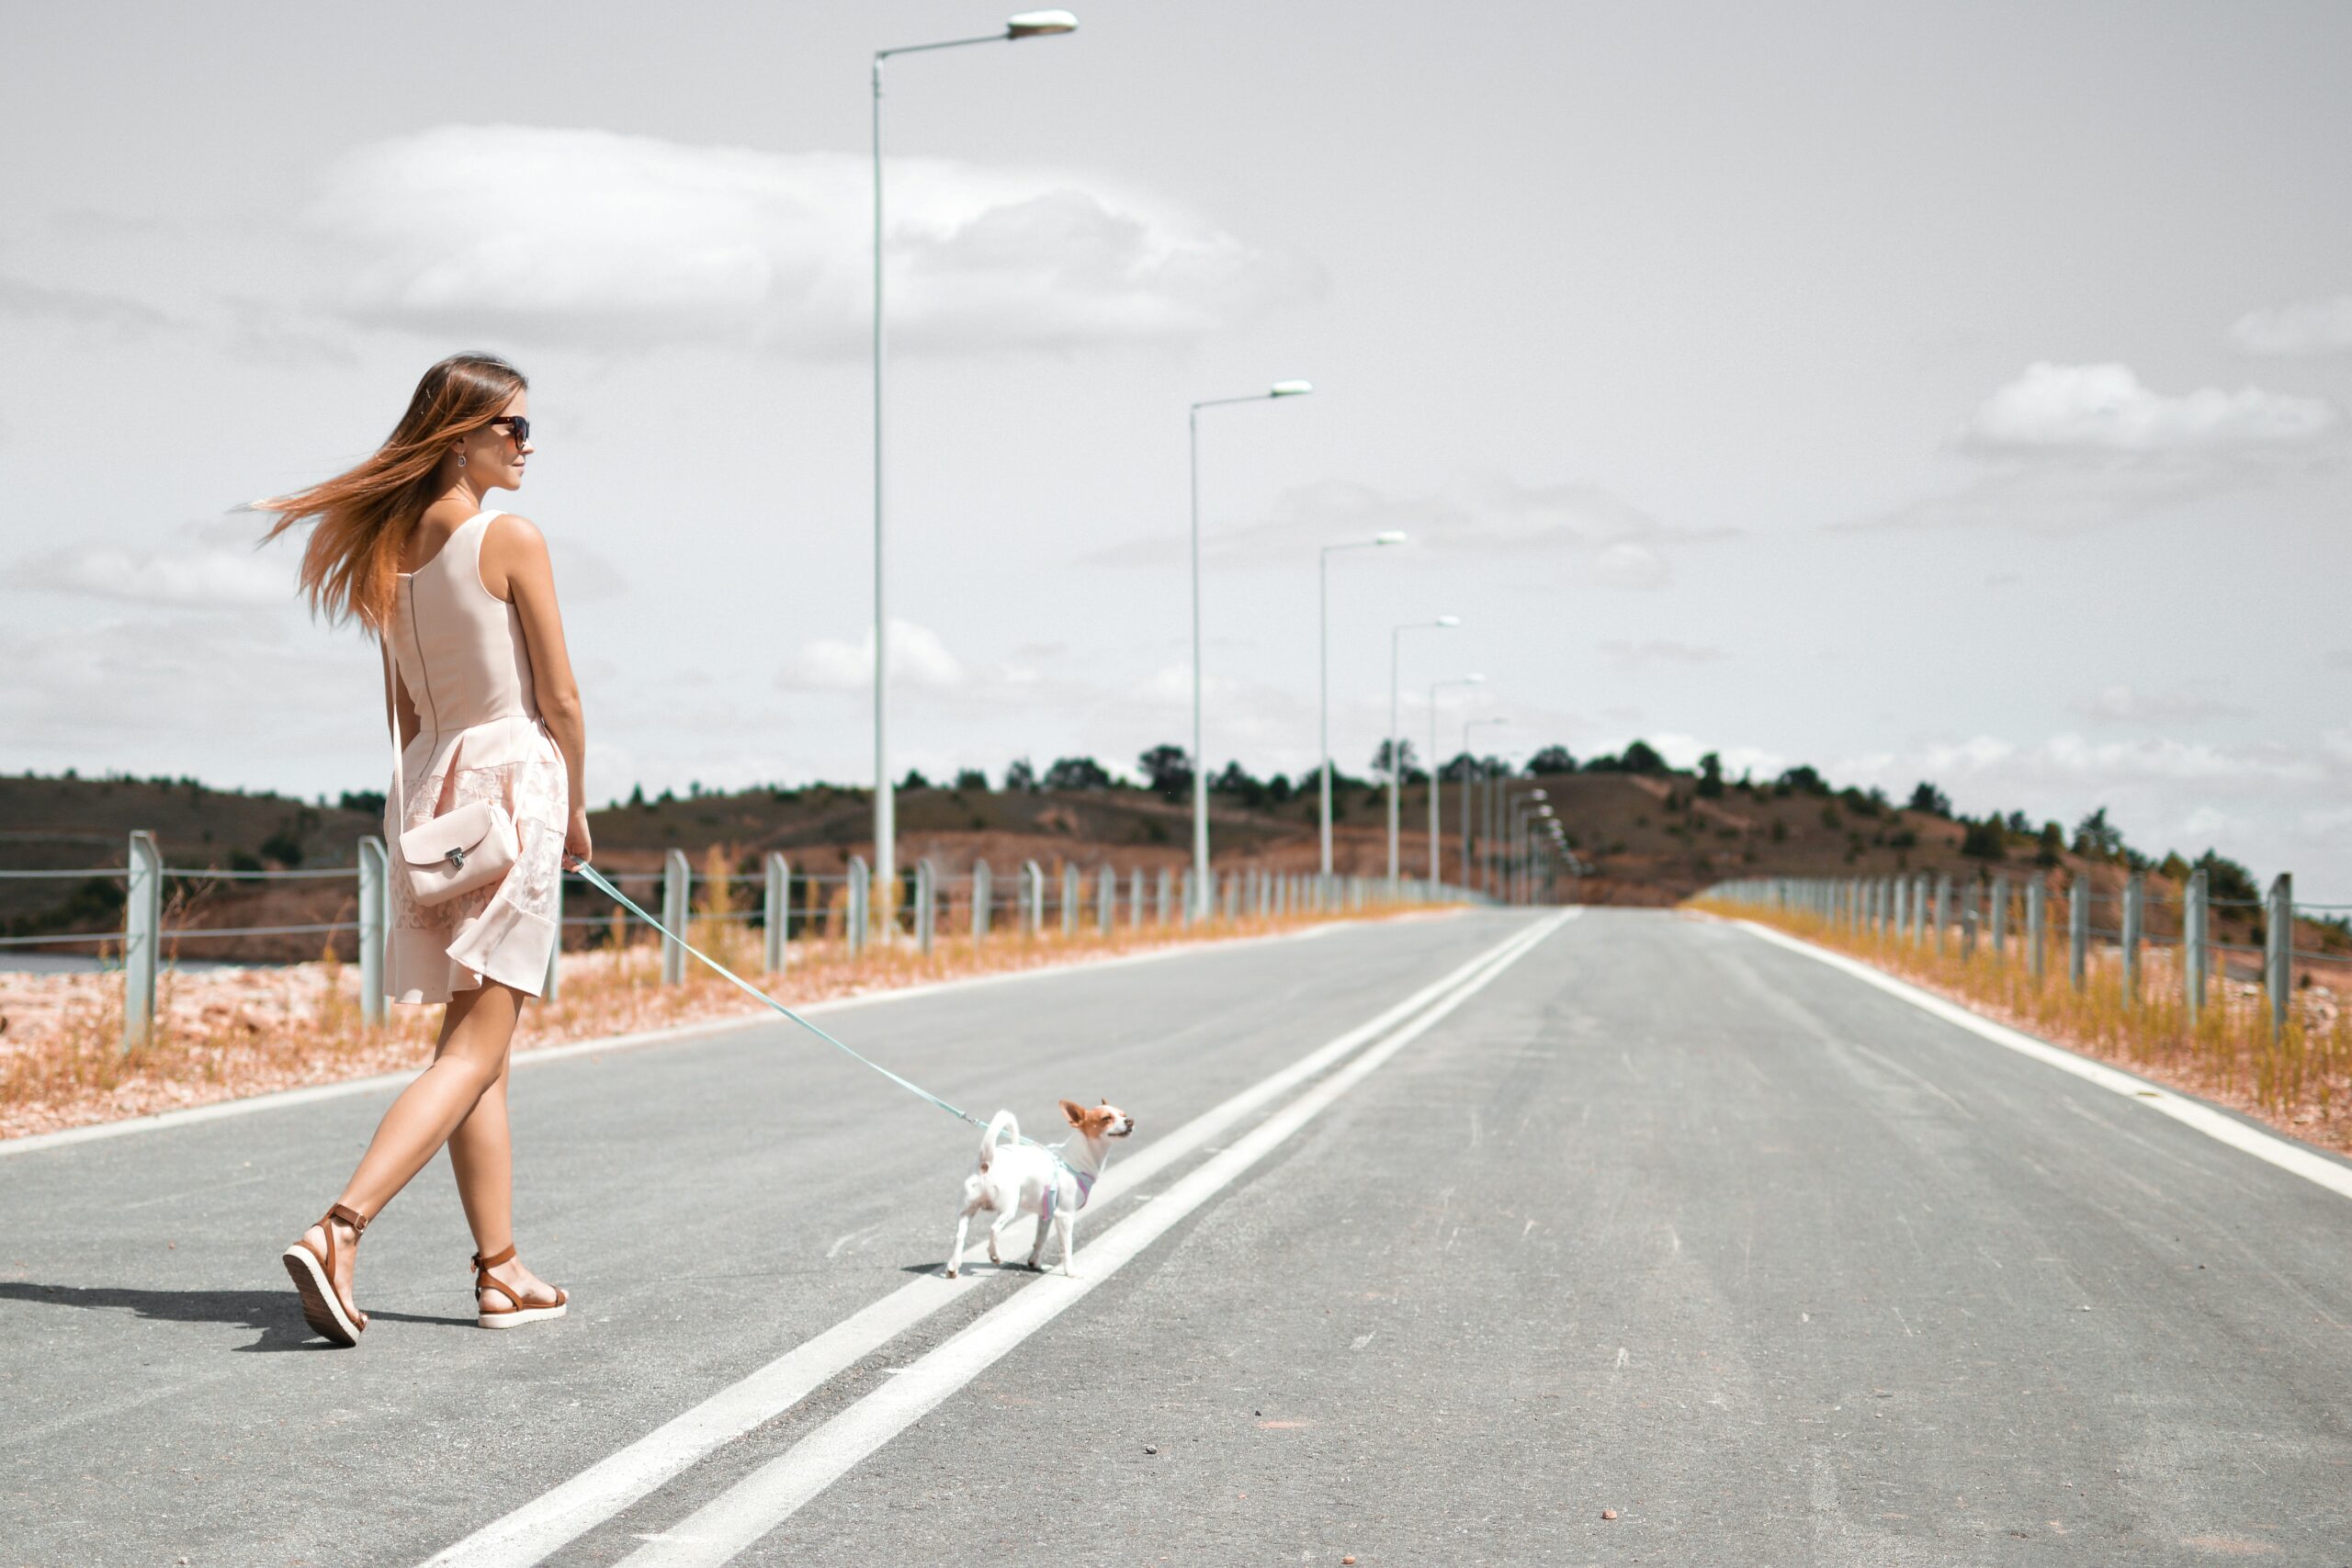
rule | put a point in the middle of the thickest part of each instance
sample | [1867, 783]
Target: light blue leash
[729, 975]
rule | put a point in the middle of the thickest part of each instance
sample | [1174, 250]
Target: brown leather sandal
[516, 1312]
[313, 1275]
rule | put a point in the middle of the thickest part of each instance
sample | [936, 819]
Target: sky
[1958, 392]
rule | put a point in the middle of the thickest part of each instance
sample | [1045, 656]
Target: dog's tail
[999, 1124]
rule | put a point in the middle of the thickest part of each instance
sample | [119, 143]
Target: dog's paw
[951, 1273]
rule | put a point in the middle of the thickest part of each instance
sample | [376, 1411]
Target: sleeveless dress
[460, 653]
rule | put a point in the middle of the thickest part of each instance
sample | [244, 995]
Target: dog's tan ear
[1074, 1112]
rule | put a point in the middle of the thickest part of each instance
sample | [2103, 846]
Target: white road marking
[539, 1528]
[715, 1533]
[2274, 1150]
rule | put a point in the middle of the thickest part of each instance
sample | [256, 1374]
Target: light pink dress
[461, 655]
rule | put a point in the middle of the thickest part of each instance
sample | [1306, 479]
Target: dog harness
[1054, 1191]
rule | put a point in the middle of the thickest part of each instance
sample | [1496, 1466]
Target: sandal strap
[483, 1265]
[350, 1216]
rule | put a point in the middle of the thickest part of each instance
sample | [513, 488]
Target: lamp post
[1478, 772]
[1396, 740]
[1323, 586]
[1437, 868]
[1520, 808]
[1201, 889]
[1027, 25]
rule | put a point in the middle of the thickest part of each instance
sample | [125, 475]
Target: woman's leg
[481, 1153]
[477, 1027]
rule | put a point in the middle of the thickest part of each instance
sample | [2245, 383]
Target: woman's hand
[576, 847]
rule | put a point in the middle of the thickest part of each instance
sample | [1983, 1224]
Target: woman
[485, 708]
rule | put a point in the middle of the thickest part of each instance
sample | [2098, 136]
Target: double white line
[752, 1507]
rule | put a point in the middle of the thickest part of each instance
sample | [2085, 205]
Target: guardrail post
[2134, 896]
[1943, 909]
[551, 989]
[2278, 950]
[2192, 943]
[2078, 931]
[1968, 922]
[677, 879]
[1106, 900]
[1070, 900]
[776, 911]
[926, 904]
[2036, 931]
[374, 867]
[1232, 897]
[983, 894]
[2000, 900]
[860, 889]
[1033, 892]
[1186, 906]
[1161, 895]
[1902, 905]
[1135, 897]
[144, 936]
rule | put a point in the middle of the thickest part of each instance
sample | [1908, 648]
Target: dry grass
[2299, 1081]
[227, 1034]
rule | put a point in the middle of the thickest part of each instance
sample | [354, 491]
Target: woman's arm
[515, 566]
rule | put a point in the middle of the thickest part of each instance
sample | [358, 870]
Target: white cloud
[205, 572]
[919, 661]
[576, 234]
[2106, 408]
[2306, 327]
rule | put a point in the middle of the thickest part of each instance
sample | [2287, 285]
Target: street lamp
[1521, 809]
[1026, 25]
[1437, 869]
[1200, 760]
[1323, 576]
[1395, 741]
[1478, 771]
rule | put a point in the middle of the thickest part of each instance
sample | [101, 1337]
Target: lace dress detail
[463, 660]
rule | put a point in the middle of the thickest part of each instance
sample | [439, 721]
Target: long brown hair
[351, 567]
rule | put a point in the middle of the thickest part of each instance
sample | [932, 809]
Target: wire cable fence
[788, 908]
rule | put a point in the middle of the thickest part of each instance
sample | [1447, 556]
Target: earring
[461, 459]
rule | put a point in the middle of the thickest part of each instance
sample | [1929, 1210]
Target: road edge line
[2293, 1158]
[688, 1033]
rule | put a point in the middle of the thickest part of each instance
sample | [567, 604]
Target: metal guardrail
[1922, 910]
[927, 908]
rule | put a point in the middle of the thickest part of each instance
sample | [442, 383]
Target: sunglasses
[517, 426]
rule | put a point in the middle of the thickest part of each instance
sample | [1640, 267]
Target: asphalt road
[1656, 1219]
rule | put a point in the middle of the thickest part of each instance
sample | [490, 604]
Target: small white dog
[1015, 1179]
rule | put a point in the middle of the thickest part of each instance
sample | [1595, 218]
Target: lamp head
[1394, 537]
[1040, 24]
[1473, 680]
[1285, 389]
[1447, 621]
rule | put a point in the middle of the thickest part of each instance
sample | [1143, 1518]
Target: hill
[1651, 837]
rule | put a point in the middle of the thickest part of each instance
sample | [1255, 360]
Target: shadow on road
[278, 1313]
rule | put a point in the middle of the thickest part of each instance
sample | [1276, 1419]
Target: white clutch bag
[458, 851]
